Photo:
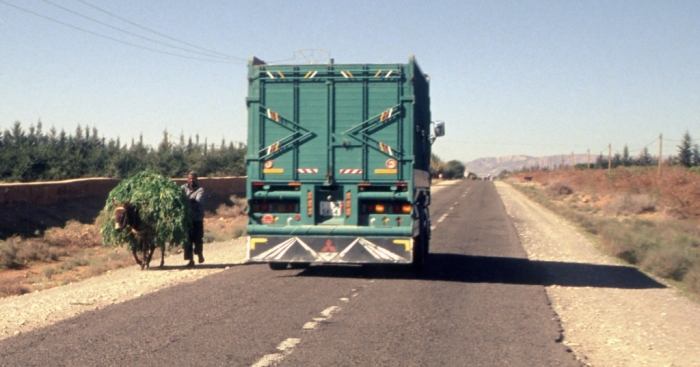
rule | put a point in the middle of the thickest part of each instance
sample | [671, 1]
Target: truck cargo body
[338, 163]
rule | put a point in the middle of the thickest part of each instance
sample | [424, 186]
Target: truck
[338, 164]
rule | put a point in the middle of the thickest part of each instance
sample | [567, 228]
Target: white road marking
[442, 218]
[329, 311]
[432, 228]
[288, 345]
[285, 348]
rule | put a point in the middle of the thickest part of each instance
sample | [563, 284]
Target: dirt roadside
[23, 313]
[611, 314]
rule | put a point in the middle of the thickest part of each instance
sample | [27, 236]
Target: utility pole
[589, 158]
[609, 157]
[573, 162]
[661, 139]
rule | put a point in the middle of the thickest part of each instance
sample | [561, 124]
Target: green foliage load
[162, 206]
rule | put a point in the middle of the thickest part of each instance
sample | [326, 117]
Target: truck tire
[277, 265]
[420, 258]
[420, 247]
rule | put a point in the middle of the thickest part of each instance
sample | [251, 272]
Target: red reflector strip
[350, 171]
[307, 170]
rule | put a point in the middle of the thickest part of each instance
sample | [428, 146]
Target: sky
[532, 78]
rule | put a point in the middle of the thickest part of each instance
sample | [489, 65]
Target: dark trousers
[196, 239]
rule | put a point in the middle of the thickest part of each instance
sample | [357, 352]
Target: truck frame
[338, 164]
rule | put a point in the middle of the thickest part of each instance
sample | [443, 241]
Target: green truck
[338, 164]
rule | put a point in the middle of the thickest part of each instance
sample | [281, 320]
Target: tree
[626, 161]
[645, 158]
[685, 153]
[453, 169]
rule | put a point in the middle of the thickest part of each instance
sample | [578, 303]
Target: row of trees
[688, 156]
[448, 170]
[34, 155]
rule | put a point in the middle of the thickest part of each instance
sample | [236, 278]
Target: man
[195, 194]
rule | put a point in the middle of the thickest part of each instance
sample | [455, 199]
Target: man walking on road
[195, 194]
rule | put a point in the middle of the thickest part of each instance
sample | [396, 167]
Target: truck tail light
[348, 202]
[386, 208]
[309, 203]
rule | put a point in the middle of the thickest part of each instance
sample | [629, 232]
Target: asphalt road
[480, 304]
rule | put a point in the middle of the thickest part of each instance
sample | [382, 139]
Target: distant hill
[494, 165]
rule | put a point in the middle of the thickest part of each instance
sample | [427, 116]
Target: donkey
[127, 215]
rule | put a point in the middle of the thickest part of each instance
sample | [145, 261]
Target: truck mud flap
[357, 250]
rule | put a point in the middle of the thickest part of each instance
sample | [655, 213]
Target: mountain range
[494, 165]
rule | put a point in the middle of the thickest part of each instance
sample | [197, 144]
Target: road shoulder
[611, 314]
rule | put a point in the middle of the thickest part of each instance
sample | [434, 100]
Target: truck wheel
[420, 253]
[277, 266]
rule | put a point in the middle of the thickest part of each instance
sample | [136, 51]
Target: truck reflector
[267, 219]
[307, 170]
[348, 204]
[272, 115]
[386, 114]
[273, 148]
[309, 203]
[385, 148]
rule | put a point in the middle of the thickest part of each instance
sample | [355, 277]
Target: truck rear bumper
[327, 249]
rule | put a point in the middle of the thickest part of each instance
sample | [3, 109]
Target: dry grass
[630, 204]
[650, 221]
[75, 251]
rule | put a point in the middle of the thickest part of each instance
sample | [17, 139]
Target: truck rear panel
[338, 158]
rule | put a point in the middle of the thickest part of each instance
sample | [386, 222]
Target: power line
[160, 34]
[128, 32]
[114, 39]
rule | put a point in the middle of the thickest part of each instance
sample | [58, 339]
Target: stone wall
[51, 192]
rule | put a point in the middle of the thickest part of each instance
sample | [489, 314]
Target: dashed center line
[287, 346]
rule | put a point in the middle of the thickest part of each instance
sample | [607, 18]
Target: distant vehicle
[338, 164]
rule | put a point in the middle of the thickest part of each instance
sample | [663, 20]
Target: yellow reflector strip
[348, 204]
[309, 203]
[254, 241]
[405, 243]
[273, 170]
[281, 75]
[385, 171]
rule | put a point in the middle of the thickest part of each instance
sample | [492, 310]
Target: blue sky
[508, 77]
